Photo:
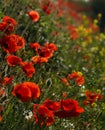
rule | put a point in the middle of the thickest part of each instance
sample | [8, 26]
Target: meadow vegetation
[52, 67]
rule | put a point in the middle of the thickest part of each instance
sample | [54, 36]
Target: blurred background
[92, 8]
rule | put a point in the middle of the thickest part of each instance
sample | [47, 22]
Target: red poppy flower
[35, 59]
[3, 26]
[35, 46]
[80, 80]
[8, 24]
[12, 43]
[28, 68]
[47, 6]
[8, 80]
[39, 59]
[73, 75]
[65, 81]
[20, 42]
[51, 46]
[26, 91]
[46, 9]
[77, 76]
[43, 115]
[9, 20]
[92, 97]
[52, 105]
[45, 52]
[69, 108]
[13, 60]
[74, 35]
[2, 92]
[64, 94]
[34, 15]
[95, 28]
[43, 59]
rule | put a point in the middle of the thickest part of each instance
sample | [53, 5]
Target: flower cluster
[48, 46]
[76, 76]
[92, 97]
[44, 113]
[43, 52]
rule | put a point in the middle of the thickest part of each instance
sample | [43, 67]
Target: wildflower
[20, 42]
[26, 91]
[65, 81]
[80, 80]
[47, 6]
[45, 52]
[69, 108]
[73, 75]
[8, 24]
[64, 94]
[28, 115]
[74, 35]
[51, 105]
[12, 43]
[35, 46]
[51, 46]
[46, 9]
[43, 115]
[94, 28]
[28, 68]
[92, 97]
[2, 92]
[3, 26]
[73, 32]
[7, 80]
[13, 60]
[35, 59]
[34, 15]
[39, 59]
[77, 76]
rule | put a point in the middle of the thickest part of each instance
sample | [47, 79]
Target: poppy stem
[25, 29]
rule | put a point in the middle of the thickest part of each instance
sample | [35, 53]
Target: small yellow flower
[94, 105]
[99, 15]
[95, 21]
[84, 43]
[98, 91]
[80, 73]
[83, 90]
